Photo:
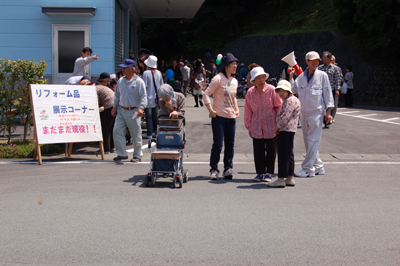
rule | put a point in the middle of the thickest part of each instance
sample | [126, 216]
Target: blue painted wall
[26, 33]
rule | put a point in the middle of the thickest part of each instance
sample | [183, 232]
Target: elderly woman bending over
[171, 103]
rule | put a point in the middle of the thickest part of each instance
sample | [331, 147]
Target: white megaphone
[290, 59]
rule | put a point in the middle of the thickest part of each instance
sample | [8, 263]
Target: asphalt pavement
[85, 211]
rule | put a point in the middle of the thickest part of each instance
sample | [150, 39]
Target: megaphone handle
[297, 69]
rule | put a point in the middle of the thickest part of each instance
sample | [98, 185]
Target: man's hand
[95, 57]
[328, 117]
[276, 130]
[337, 93]
[140, 112]
[114, 111]
[173, 115]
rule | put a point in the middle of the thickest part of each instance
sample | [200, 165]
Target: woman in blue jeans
[223, 112]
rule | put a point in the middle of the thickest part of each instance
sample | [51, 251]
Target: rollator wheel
[147, 181]
[153, 180]
[180, 181]
[185, 176]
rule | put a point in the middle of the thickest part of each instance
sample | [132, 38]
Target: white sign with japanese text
[66, 113]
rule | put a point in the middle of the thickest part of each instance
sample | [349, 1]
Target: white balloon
[219, 56]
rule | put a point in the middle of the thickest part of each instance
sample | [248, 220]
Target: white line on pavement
[369, 118]
[364, 115]
[190, 163]
[390, 119]
[341, 113]
[143, 147]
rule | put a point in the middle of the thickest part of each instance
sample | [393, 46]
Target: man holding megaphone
[315, 96]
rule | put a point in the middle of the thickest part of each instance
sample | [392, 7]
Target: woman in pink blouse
[223, 113]
[260, 109]
[286, 127]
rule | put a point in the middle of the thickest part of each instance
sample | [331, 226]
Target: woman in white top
[348, 78]
[153, 80]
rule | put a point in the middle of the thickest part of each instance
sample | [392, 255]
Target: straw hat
[284, 85]
[252, 65]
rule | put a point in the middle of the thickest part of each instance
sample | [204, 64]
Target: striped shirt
[260, 111]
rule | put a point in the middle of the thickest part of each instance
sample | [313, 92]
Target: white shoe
[320, 171]
[303, 173]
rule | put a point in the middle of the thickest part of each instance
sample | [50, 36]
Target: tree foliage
[15, 78]
[372, 25]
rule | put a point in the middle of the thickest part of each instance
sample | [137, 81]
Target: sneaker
[214, 175]
[267, 178]
[146, 137]
[119, 158]
[303, 173]
[290, 183]
[136, 160]
[98, 152]
[113, 150]
[258, 178]
[277, 184]
[154, 135]
[228, 174]
[320, 171]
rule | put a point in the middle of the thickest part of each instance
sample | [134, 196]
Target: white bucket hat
[284, 85]
[151, 61]
[257, 71]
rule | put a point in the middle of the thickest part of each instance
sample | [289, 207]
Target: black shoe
[119, 158]
[113, 150]
[146, 137]
[327, 126]
[135, 160]
[129, 143]
[201, 103]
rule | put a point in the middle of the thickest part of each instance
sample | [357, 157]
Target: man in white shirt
[315, 95]
[81, 67]
[185, 70]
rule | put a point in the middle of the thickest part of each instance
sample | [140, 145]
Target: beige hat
[284, 85]
[312, 56]
[257, 71]
[151, 61]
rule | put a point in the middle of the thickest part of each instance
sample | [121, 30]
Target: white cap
[151, 61]
[257, 71]
[284, 85]
[312, 56]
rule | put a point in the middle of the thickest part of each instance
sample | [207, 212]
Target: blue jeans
[223, 131]
[151, 120]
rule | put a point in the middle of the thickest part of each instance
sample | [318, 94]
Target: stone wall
[267, 51]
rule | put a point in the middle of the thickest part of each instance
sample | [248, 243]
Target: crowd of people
[146, 87]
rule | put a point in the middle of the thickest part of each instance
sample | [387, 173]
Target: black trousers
[348, 97]
[285, 154]
[265, 155]
[107, 126]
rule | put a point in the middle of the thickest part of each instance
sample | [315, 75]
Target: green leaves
[15, 78]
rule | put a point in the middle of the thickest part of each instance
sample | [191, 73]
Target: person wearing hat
[185, 70]
[315, 96]
[223, 113]
[260, 109]
[243, 71]
[105, 96]
[153, 80]
[286, 126]
[130, 100]
[248, 77]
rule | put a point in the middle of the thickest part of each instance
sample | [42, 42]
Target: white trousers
[122, 121]
[312, 132]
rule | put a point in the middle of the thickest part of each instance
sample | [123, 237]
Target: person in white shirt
[185, 70]
[81, 67]
[315, 95]
[153, 80]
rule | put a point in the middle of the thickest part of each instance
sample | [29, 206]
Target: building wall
[26, 33]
